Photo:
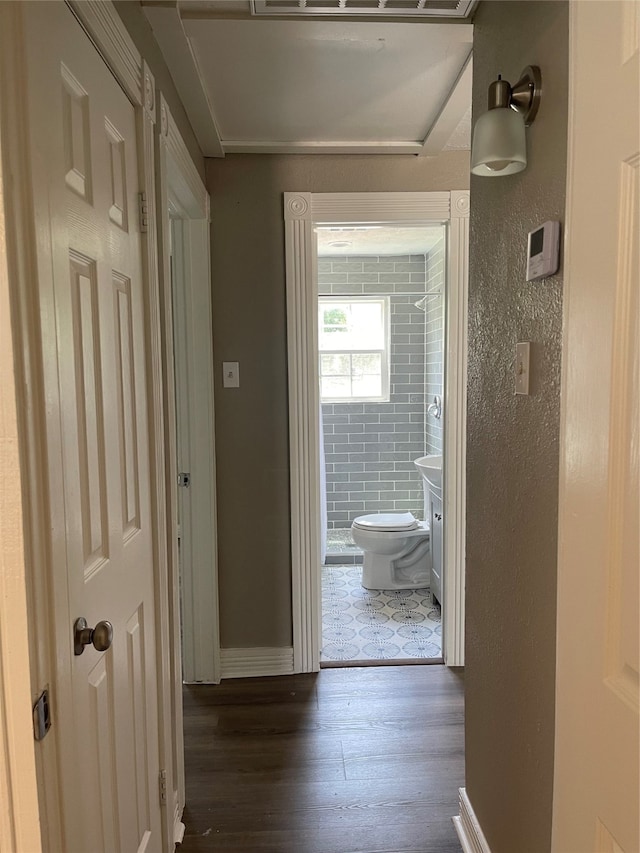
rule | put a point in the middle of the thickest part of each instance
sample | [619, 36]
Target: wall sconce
[499, 145]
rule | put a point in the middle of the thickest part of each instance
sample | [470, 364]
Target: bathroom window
[354, 350]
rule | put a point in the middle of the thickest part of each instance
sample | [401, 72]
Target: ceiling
[376, 240]
[313, 84]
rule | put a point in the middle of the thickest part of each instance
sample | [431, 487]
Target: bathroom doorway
[305, 214]
[381, 300]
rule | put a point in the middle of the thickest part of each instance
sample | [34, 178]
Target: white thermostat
[543, 251]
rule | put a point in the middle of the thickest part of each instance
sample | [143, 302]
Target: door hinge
[162, 780]
[143, 212]
[41, 716]
[184, 479]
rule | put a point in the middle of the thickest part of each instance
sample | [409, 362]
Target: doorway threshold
[344, 664]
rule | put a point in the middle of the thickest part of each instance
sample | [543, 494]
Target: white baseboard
[248, 663]
[469, 831]
[178, 832]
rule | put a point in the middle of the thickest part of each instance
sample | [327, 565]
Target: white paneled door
[596, 792]
[86, 180]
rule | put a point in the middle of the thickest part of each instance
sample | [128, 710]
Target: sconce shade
[499, 145]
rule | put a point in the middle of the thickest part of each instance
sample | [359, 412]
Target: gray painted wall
[249, 325]
[512, 451]
[140, 31]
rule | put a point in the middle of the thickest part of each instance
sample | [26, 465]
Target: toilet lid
[388, 521]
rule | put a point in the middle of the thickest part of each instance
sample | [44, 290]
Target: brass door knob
[100, 637]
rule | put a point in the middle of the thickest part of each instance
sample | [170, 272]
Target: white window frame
[384, 352]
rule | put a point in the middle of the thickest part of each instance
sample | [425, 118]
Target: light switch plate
[523, 349]
[231, 374]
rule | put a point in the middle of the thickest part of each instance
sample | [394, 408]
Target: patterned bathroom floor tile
[340, 541]
[368, 625]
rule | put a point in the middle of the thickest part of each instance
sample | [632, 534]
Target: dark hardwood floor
[354, 760]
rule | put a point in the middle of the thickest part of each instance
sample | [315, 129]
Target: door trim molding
[184, 198]
[455, 430]
[302, 212]
[19, 818]
[40, 796]
[104, 27]
[468, 827]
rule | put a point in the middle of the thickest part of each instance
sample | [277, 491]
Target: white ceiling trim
[167, 26]
[452, 111]
[175, 46]
[324, 147]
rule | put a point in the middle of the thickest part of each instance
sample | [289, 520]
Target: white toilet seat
[372, 535]
[390, 522]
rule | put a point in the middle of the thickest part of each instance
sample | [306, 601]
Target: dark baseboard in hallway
[365, 760]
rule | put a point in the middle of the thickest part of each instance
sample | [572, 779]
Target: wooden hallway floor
[354, 760]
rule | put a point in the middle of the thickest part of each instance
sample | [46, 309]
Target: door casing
[19, 817]
[302, 212]
[184, 222]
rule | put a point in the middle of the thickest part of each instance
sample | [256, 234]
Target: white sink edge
[432, 473]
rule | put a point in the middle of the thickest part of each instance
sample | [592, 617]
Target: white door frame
[105, 29]
[302, 212]
[185, 214]
[19, 817]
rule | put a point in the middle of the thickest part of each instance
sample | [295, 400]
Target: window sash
[351, 376]
[325, 343]
[349, 353]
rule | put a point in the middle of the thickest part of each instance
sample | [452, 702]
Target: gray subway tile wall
[434, 331]
[370, 447]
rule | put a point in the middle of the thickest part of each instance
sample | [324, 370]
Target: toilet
[397, 551]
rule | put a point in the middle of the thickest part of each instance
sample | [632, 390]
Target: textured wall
[140, 31]
[249, 325]
[370, 447]
[512, 452]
